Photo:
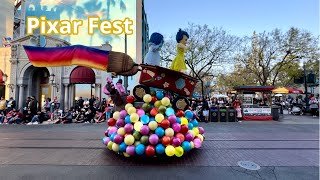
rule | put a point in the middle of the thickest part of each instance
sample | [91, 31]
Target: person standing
[313, 106]
[33, 105]
[237, 106]
[205, 110]
[80, 102]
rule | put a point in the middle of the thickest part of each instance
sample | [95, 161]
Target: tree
[273, 58]
[207, 48]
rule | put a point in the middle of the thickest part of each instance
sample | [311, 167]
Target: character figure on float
[155, 44]
[178, 64]
[116, 92]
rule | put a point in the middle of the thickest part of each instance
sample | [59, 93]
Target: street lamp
[52, 79]
[5, 78]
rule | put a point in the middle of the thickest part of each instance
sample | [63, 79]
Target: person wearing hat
[120, 88]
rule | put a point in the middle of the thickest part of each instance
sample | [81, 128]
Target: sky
[237, 17]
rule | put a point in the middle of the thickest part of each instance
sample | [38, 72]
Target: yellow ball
[159, 118]
[169, 132]
[126, 154]
[147, 98]
[192, 144]
[196, 131]
[129, 140]
[131, 110]
[137, 126]
[165, 101]
[121, 131]
[184, 121]
[116, 115]
[200, 137]
[115, 147]
[153, 125]
[137, 143]
[134, 117]
[157, 104]
[170, 151]
[179, 151]
[110, 143]
[127, 106]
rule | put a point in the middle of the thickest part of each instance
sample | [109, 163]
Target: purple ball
[144, 130]
[131, 150]
[128, 128]
[172, 119]
[113, 130]
[118, 139]
[176, 127]
[194, 116]
[106, 132]
[201, 130]
[153, 139]
[140, 112]
[197, 143]
[188, 137]
[120, 123]
[106, 140]
[123, 114]
[176, 141]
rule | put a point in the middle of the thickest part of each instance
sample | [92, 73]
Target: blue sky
[238, 17]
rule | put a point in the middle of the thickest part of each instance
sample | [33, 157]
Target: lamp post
[5, 78]
[52, 79]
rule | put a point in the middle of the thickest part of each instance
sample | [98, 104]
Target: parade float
[157, 119]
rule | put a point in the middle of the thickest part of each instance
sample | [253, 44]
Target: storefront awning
[1, 77]
[82, 75]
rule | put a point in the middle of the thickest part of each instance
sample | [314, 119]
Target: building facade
[25, 80]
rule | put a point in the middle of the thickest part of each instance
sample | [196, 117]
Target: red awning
[1, 77]
[294, 90]
[82, 75]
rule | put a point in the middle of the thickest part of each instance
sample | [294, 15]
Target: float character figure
[155, 45]
[178, 63]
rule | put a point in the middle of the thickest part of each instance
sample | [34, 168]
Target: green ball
[137, 135]
[170, 105]
[110, 143]
[153, 93]
[146, 107]
[157, 104]
[144, 140]
[162, 109]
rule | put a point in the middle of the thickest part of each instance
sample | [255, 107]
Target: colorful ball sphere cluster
[152, 128]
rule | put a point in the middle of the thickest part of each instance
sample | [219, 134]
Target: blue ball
[169, 111]
[123, 147]
[140, 149]
[188, 114]
[160, 148]
[112, 136]
[186, 146]
[159, 95]
[190, 125]
[178, 120]
[195, 123]
[151, 119]
[145, 119]
[127, 119]
[159, 132]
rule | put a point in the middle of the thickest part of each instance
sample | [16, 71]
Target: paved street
[288, 150]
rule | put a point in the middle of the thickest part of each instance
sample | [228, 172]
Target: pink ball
[176, 141]
[144, 130]
[176, 127]
[128, 128]
[197, 143]
[153, 139]
[120, 123]
[188, 137]
[131, 150]
[106, 140]
[118, 139]
[201, 130]
[172, 119]
[113, 130]
[123, 114]
[140, 112]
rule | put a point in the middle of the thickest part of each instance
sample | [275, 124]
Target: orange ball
[166, 140]
[180, 136]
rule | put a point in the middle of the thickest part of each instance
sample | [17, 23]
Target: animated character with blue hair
[155, 44]
[178, 63]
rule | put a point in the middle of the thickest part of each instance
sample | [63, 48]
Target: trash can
[222, 114]
[231, 115]
[275, 111]
[214, 114]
